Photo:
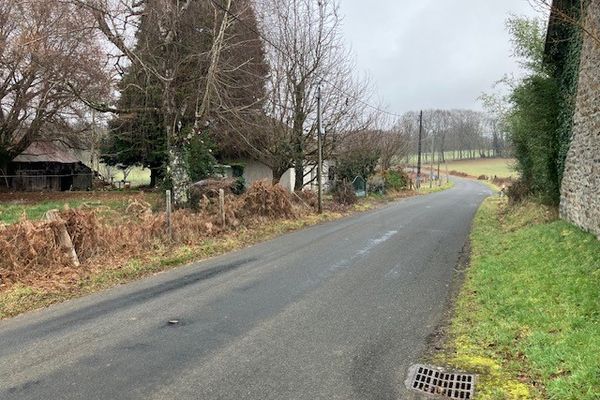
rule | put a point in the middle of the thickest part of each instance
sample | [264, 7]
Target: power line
[285, 55]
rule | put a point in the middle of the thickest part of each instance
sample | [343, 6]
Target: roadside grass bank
[527, 319]
[109, 269]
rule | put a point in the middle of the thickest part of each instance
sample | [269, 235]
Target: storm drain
[437, 382]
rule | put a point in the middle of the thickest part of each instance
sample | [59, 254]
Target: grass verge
[22, 298]
[528, 316]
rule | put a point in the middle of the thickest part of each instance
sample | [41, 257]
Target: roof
[46, 152]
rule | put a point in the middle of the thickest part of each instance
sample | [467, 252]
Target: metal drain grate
[436, 381]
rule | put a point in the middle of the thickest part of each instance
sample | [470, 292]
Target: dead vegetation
[460, 174]
[344, 194]
[266, 201]
[31, 251]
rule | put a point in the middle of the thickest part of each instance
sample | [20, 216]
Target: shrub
[459, 173]
[376, 185]
[396, 180]
[209, 188]
[518, 191]
[239, 186]
[356, 163]
[343, 193]
[267, 200]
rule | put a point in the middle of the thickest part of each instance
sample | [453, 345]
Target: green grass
[425, 189]
[501, 167]
[35, 207]
[448, 156]
[528, 316]
[11, 213]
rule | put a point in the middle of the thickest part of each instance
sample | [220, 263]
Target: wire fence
[45, 175]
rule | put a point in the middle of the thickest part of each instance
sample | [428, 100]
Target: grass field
[528, 317]
[500, 167]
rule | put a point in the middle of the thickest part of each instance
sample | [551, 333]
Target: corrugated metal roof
[46, 152]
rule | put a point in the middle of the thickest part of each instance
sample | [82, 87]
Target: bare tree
[184, 49]
[306, 50]
[48, 54]
[394, 144]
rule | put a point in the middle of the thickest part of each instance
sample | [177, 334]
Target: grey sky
[432, 53]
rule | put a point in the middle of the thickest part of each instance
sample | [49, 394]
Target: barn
[48, 166]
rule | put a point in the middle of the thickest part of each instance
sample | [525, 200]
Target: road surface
[336, 311]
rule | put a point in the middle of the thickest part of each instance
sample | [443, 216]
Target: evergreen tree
[138, 137]
[235, 86]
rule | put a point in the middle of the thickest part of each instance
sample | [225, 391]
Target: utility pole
[432, 159]
[439, 178]
[320, 151]
[419, 150]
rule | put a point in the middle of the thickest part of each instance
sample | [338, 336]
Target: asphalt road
[336, 311]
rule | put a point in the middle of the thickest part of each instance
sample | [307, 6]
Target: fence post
[169, 219]
[64, 238]
[222, 206]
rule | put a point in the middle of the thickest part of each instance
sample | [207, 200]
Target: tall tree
[48, 55]
[306, 49]
[237, 76]
[137, 137]
[187, 49]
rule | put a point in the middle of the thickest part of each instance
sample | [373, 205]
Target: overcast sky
[424, 54]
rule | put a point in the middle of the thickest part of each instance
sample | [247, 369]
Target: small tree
[200, 159]
[359, 156]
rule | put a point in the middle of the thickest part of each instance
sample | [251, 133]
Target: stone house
[580, 190]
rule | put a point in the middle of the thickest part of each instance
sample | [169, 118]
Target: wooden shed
[48, 166]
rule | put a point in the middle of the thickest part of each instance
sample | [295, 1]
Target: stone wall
[580, 192]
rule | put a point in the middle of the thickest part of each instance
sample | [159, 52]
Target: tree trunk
[154, 177]
[298, 129]
[299, 171]
[180, 179]
[64, 240]
[177, 166]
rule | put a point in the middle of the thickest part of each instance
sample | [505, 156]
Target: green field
[528, 316]
[500, 167]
